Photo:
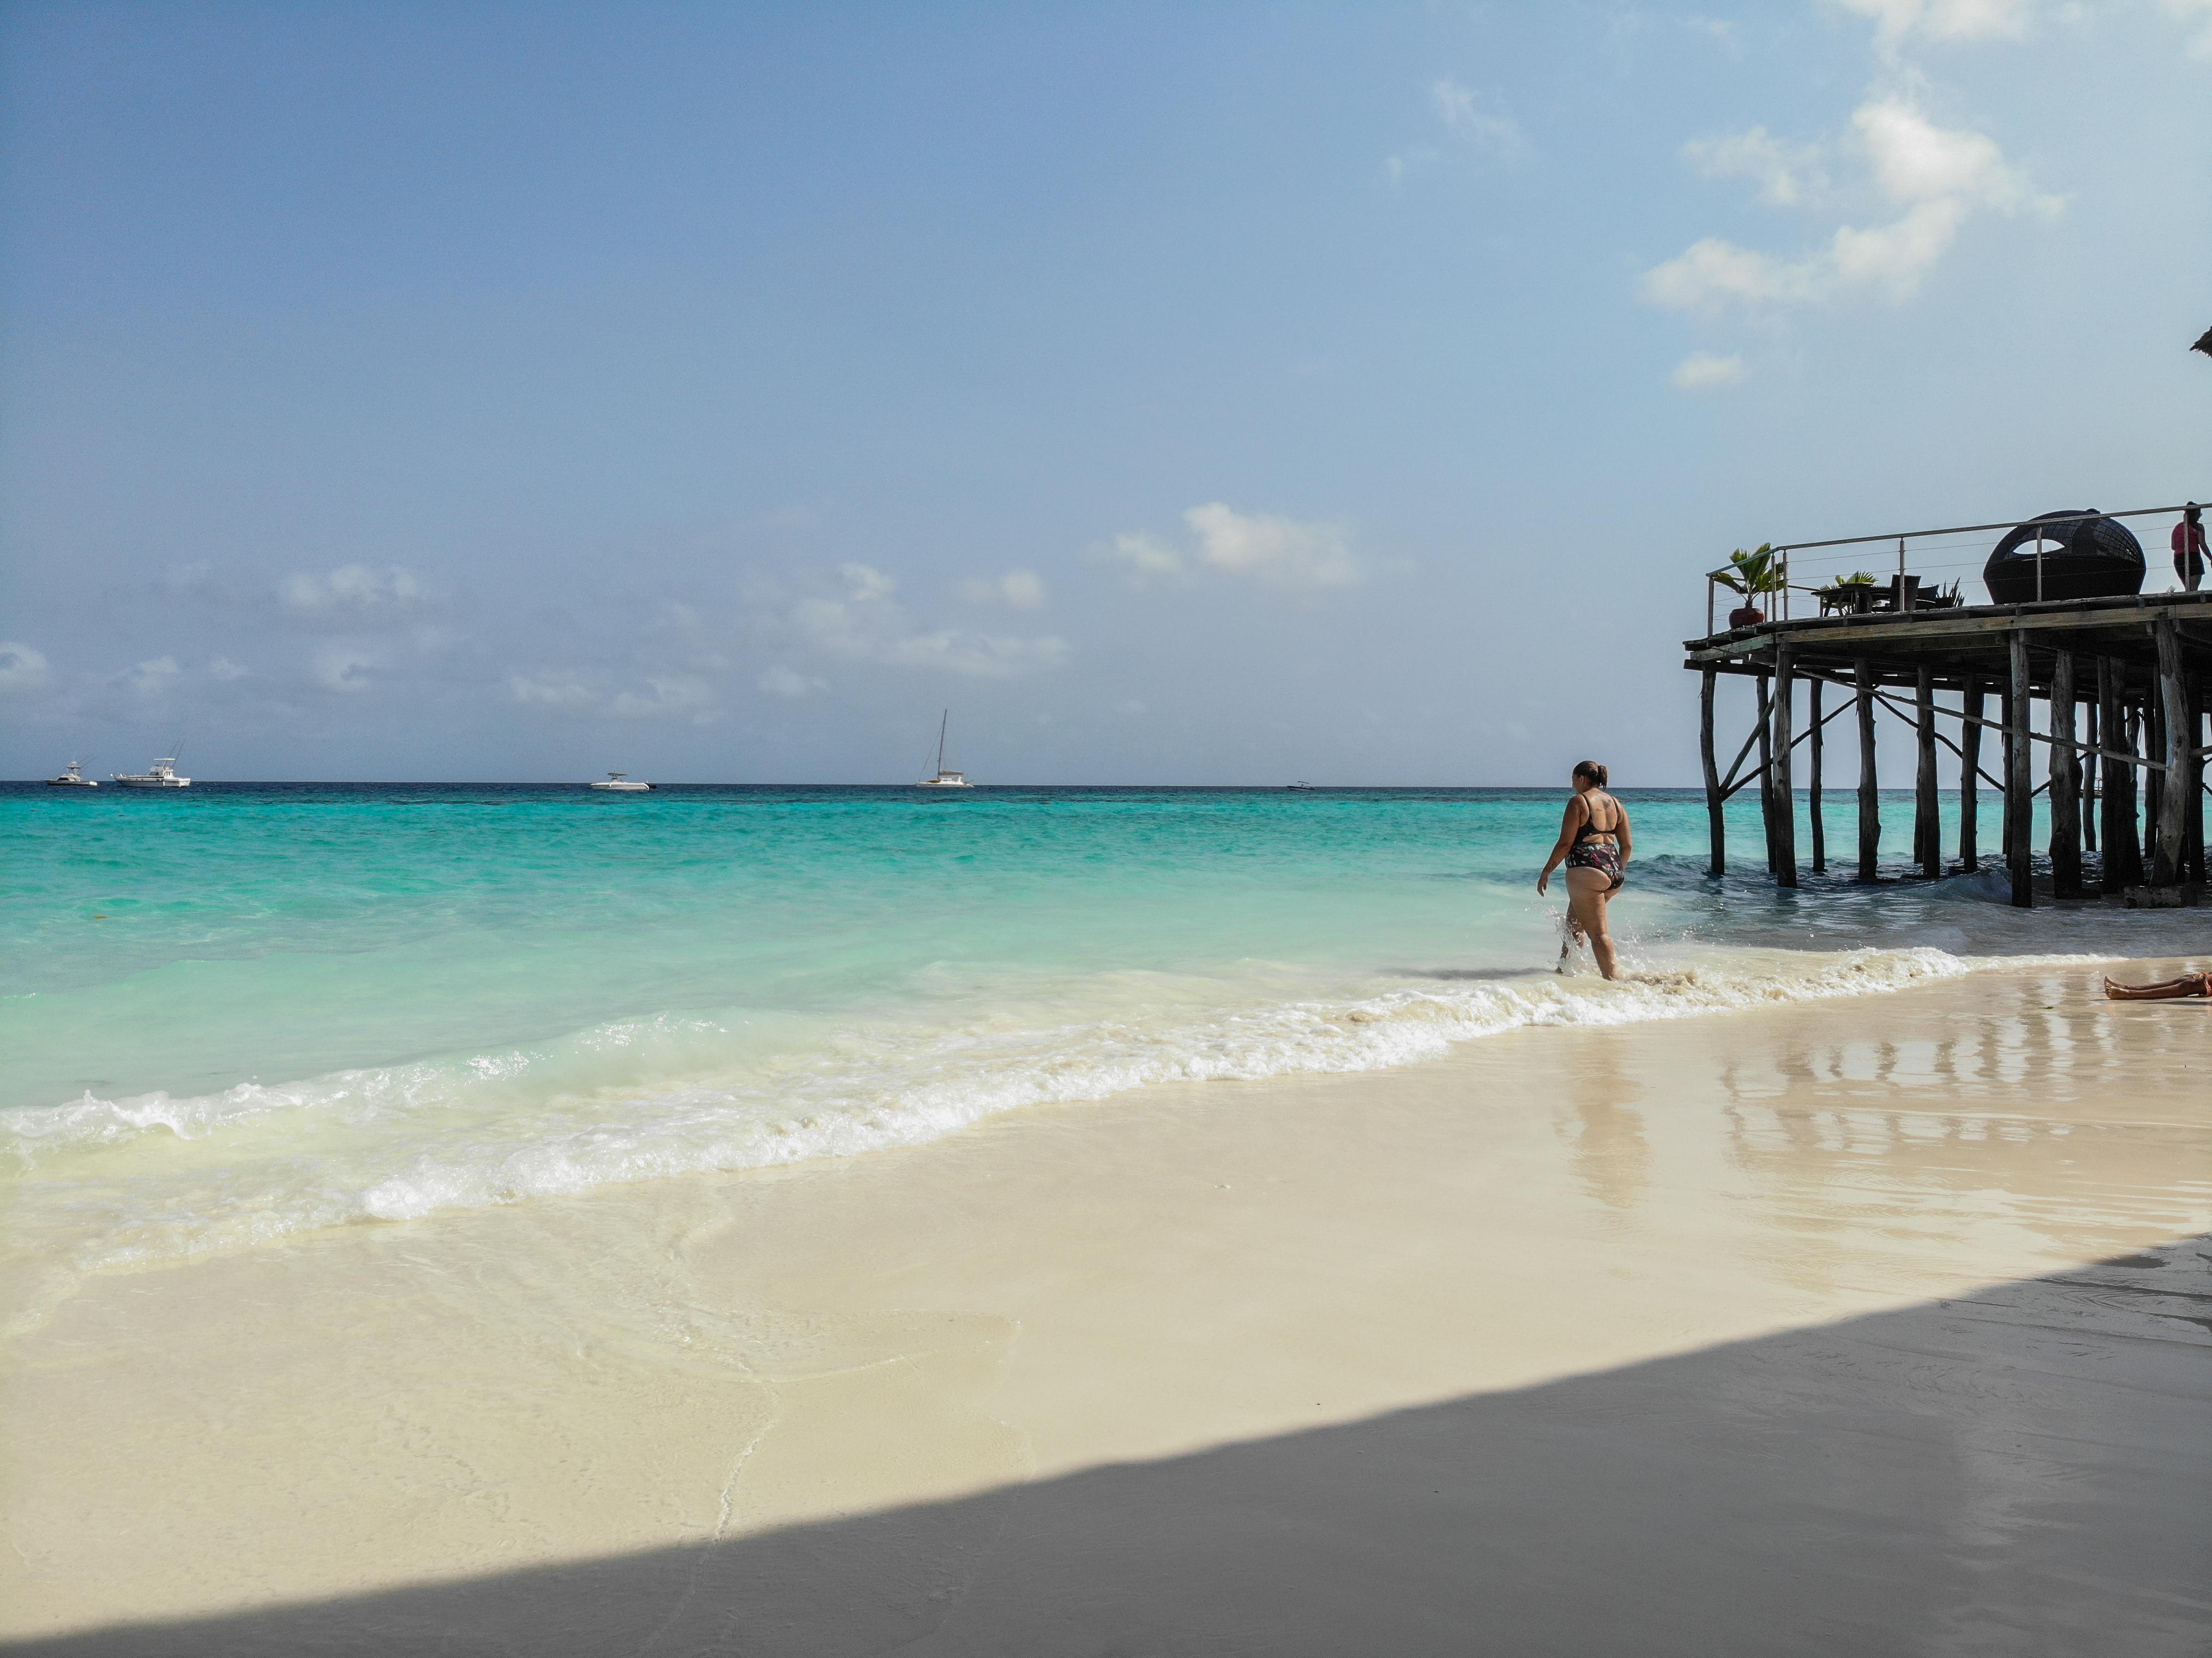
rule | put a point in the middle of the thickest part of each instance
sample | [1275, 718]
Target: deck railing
[1954, 555]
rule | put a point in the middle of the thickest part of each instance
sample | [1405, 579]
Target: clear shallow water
[245, 1011]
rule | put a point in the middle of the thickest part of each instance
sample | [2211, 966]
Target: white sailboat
[942, 778]
[72, 777]
[162, 775]
[622, 783]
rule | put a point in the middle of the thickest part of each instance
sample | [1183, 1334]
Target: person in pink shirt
[2189, 547]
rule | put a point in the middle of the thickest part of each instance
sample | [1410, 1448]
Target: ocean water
[243, 1012]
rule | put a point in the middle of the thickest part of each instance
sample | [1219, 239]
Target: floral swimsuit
[1589, 852]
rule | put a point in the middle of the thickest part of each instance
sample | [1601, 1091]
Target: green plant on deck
[1857, 579]
[1753, 572]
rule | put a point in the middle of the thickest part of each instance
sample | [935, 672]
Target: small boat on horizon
[942, 778]
[162, 775]
[72, 777]
[622, 783]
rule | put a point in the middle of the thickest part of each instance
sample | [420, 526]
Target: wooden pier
[2123, 683]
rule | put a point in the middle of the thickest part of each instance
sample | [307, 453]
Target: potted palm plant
[1754, 575]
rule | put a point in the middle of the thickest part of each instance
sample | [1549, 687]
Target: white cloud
[1144, 560]
[2195, 14]
[1705, 371]
[1893, 258]
[345, 668]
[1916, 160]
[867, 626]
[21, 667]
[1017, 590]
[1272, 548]
[1897, 21]
[1939, 176]
[866, 585]
[150, 678]
[1479, 121]
[1713, 273]
[551, 691]
[351, 587]
[1786, 173]
[224, 669]
[671, 694]
[780, 681]
[664, 695]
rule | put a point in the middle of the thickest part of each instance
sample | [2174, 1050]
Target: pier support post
[1869, 790]
[1927, 821]
[1970, 762]
[2192, 834]
[1716, 803]
[1813, 734]
[2153, 783]
[2065, 784]
[2090, 795]
[1766, 764]
[2116, 799]
[2020, 799]
[2011, 828]
[1785, 795]
[2131, 845]
[2175, 726]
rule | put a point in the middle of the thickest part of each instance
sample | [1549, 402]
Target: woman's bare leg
[2165, 990]
[1587, 892]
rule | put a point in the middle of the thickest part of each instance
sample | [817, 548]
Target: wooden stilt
[1813, 775]
[1869, 790]
[2011, 830]
[2176, 726]
[1785, 796]
[2112, 803]
[2154, 783]
[1715, 805]
[2065, 783]
[2131, 861]
[2019, 793]
[1767, 765]
[1927, 821]
[2090, 796]
[2192, 833]
[1970, 760]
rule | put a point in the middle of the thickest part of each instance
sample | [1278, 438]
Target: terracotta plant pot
[1745, 616]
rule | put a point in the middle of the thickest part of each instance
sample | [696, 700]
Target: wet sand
[1880, 1325]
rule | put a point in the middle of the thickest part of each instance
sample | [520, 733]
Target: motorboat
[622, 783]
[162, 775]
[1300, 784]
[72, 777]
[942, 778]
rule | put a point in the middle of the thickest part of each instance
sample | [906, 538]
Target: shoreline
[605, 1413]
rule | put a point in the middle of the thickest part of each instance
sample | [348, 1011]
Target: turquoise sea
[243, 1011]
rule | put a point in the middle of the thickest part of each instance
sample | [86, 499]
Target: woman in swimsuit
[1594, 843]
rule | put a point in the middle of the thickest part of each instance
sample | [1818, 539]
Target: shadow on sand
[2024, 1470]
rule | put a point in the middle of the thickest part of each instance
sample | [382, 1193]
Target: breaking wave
[651, 1099]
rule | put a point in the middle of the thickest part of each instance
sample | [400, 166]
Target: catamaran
[72, 778]
[942, 778]
[623, 783]
[162, 775]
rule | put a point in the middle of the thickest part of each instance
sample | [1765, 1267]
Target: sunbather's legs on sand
[2189, 984]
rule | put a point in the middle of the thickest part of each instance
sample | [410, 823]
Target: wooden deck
[2123, 683]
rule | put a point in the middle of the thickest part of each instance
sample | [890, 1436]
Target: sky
[1228, 394]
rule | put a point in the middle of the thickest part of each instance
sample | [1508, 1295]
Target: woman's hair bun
[1595, 772]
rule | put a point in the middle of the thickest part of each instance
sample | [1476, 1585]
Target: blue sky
[1180, 395]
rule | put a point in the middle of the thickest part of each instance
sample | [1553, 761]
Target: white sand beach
[1875, 1325]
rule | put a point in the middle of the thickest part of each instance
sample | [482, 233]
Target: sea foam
[186, 1175]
